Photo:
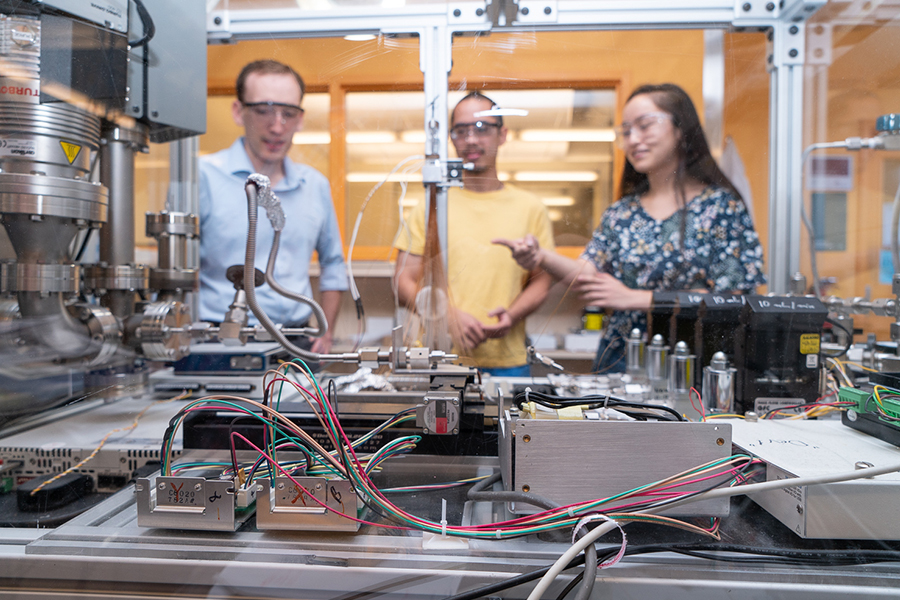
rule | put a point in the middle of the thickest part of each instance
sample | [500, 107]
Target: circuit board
[876, 412]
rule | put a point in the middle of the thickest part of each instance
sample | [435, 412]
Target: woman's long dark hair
[694, 158]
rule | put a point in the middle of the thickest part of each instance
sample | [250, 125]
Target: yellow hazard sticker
[71, 150]
[809, 343]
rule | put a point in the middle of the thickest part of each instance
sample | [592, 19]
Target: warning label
[809, 343]
[71, 150]
[15, 147]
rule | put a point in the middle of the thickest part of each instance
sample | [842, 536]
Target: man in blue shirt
[268, 108]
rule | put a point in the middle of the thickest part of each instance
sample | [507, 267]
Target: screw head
[281, 486]
[720, 442]
[479, 12]
[198, 487]
[770, 6]
[793, 30]
[793, 52]
[747, 6]
[457, 12]
[217, 20]
[525, 11]
[526, 488]
[547, 10]
[162, 486]
[526, 438]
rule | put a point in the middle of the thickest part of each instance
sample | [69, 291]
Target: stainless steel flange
[98, 278]
[165, 331]
[42, 278]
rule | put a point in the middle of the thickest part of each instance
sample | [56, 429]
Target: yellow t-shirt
[483, 276]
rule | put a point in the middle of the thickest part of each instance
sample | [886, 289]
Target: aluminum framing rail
[436, 24]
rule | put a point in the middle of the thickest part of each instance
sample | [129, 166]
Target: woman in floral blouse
[680, 224]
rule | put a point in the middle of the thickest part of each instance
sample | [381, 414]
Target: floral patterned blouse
[721, 252]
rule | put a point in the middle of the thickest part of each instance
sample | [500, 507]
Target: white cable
[354, 291]
[738, 490]
[402, 228]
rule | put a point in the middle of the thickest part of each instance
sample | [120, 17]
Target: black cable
[814, 557]
[511, 582]
[83, 247]
[592, 402]
[479, 493]
[843, 328]
[147, 21]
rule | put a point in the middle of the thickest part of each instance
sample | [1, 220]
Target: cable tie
[527, 391]
[443, 517]
[571, 512]
[499, 534]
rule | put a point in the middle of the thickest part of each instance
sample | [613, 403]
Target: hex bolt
[747, 6]
[793, 52]
[457, 12]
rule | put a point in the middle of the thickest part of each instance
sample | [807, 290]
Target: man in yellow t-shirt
[490, 295]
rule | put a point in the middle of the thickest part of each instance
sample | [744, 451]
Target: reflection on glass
[562, 151]
[310, 143]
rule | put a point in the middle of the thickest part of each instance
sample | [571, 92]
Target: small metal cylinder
[718, 384]
[657, 361]
[635, 364]
[681, 369]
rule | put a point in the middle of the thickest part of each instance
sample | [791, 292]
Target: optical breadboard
[858, 509]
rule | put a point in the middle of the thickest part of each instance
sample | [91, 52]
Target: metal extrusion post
[785, 56]
[435, 63]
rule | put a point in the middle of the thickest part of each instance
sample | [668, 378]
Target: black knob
[235, 274]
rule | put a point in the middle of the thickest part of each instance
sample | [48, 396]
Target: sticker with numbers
[812, 361]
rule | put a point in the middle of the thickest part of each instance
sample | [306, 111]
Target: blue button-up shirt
[310, 225]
